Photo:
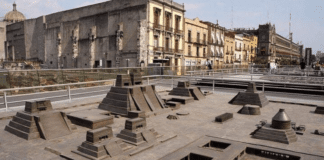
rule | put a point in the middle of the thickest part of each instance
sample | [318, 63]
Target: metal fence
[213, 77]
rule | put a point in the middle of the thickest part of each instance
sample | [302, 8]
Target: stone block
[136, 114]
[38, 106]
[134, 124]
[224, 117]
[99, 134]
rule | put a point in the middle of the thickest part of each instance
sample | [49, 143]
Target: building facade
[238, 59]
[253, 48]
[196, 45]
[229, 47]
[116, 33]
[272, 46]
[166, 32]
[11, 17]
[216, 42]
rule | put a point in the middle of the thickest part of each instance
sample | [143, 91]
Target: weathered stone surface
[39, 120]
[319, 110]
[224, 117]
[250, 110]
[250, 96]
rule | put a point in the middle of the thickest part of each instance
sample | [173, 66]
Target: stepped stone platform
[251, 96]
[136, 132]
[184, 89]
[39, 120]
[279, 131]
[130, 95]
[250, 110]
[92, 118]
[319, 110]
[100, 144]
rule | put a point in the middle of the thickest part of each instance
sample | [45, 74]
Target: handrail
[158, 76]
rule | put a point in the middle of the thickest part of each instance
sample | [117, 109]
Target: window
[167, 21]
[167, 44]
[204, 52]
[204, 38]
[176, 45]
[177, 23]
[156, 17]
[198, 37]
[189, 36]
[197, 51]
[189, 50]
[156, 41]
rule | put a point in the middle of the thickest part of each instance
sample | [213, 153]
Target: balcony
[189, 53]
[204, 42]
[238, 48]
[168, 29]
[198, 41]
[190, 40]
[227, 53]
[179, 51]
[158, 49]
[232, 52]
[157, 26]
[168, 50]
[178, 31]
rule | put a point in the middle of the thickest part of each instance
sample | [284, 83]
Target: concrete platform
[181, 132]
[92, 118]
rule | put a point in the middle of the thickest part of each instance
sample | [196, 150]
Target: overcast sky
[307, 15]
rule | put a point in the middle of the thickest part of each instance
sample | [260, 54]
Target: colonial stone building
[116, 33]
[166, 32]
[11, 17]
[229, 47]
[272, 46]
[216, 42]
[195, 42]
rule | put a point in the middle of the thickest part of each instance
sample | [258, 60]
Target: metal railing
[67, 87]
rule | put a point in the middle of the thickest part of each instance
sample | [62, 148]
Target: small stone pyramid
[184, 89]
[251, 96]
[279, 131]
[250, 110]
[40, 120]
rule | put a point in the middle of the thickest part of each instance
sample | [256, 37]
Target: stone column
[59, 50]
[92, 38]
[75, 45]
[142, 52]
[119, 43]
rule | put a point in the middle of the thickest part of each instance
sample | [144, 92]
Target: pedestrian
[302, 66]
[208, 64]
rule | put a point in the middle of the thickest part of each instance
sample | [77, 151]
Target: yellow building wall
[162, 22]
[196, 26]
[229, 42]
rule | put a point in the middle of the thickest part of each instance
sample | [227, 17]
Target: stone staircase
[282, 136]
[24, 126]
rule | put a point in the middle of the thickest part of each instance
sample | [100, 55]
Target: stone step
[22, 134]
[25, 116]
[22, 127]
[173, 103]
[271, 139]
[23, 122]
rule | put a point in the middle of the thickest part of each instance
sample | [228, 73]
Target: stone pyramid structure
[279, 131]
[250, 110]
[130, 94]
[136, 132]
[319, 110]
[251, 96]
[184, 89]
[40, 120]
[100, 144]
